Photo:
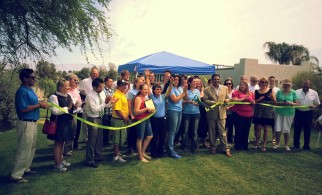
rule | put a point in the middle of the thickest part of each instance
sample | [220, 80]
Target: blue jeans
[190, 127]
[144, 129]
[174, 121]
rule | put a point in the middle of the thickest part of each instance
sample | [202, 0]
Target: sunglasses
[264, 82]
[228, 84]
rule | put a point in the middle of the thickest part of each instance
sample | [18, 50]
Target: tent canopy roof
[161, 61]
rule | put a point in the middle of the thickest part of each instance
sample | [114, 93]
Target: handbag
[49, 127]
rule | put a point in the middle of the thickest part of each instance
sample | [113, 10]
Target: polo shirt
[121, 104]
[25, 97]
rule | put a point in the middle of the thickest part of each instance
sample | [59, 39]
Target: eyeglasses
[254, 80]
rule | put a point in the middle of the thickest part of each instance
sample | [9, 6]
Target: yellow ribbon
[102, 126]
[244, 103]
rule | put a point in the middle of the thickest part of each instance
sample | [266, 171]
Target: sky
[211, 31]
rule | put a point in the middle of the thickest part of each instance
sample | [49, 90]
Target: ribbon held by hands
[101, 126]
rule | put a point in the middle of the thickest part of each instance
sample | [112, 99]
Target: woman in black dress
[64, 122]
[263, 115]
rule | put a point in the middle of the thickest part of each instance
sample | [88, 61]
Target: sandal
[264, 149]
[255, 147]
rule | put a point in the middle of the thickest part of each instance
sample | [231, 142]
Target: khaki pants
[214, 126]
[27, 141]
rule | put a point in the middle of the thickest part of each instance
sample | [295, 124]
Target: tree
[112, 72]
[83, 73]
[37, 28]
[46, 70]
[9, 83]
[48, 86]
[102, 71]
[284, 53]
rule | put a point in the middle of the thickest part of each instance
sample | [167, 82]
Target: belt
[28, 120]
[117, 118]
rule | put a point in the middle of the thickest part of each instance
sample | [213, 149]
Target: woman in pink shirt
[242, 115]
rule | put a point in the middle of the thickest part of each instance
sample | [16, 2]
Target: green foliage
[35, 29]
[48, 86]
[9, 83]
[83, 73]
[284, 53]
[46, 70]
[112, 72]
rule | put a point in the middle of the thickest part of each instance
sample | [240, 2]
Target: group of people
[178, 109]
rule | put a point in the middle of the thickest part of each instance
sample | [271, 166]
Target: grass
[253, 172]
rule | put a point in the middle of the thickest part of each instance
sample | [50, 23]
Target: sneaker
[176, 156]
[287, 148]
[131, 153]
[21, 180]
[60, 167]
[118, 159]
[124, 156]
[276, 146]
[255, 146]
[70, 153]
[65, 163]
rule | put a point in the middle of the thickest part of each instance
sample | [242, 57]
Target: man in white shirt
[272, 83]
[95, 103]
[85, 86]
[253, 84]
[242, 78]
[303, 116]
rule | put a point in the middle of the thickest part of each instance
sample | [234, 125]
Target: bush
[9, 83]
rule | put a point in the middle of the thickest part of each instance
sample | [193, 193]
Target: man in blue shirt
[27, 108]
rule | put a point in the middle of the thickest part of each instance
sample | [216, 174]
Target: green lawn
[253, 172]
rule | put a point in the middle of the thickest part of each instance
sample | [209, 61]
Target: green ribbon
[102, 126]
[244, 103]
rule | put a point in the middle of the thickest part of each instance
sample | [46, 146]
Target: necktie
[101, 113]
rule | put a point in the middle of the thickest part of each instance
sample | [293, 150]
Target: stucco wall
[250, 67]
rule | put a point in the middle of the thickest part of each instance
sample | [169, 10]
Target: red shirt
[143, 115]
[243, 110]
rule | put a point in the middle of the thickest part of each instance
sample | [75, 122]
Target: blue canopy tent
[161, 61]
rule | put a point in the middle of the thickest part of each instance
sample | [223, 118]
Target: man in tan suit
[216, 117]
